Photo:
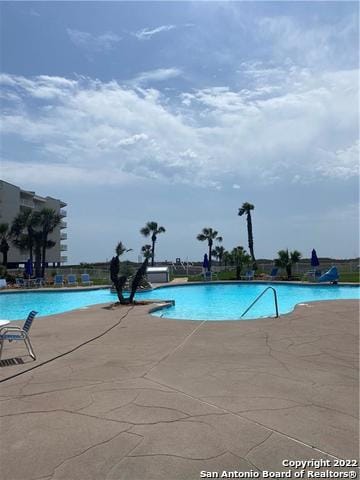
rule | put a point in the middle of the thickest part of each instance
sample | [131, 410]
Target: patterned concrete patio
[151, 398]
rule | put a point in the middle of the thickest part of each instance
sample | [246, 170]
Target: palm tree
[209, 235]
[239, 258]
[22, 231]
[246, 208]
[152, 228]
[120, 249]
[218, 253]
[287, 260]
[146, 251]
[227, 258]
[48, 220]
[4, 244]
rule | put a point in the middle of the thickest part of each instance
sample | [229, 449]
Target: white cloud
[105, 41]
[158, 75]
[343, 163]
[146, 33]
[132, 140]
[236, 186]
[100, 131]
[315, 44]
[20, 173]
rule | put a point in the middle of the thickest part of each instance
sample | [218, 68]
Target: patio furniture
[207, 276]
[38, 282]
[20, 283]
[71, 280]
[58, 281]
[273, 274]
[249, 275]
[85, 279]
[15, 333]
[312, 275]
[331, 276]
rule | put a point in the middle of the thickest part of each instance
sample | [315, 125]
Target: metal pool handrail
[259, 296]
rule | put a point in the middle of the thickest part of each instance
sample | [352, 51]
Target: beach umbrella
[314, 259]
[29, 268]
[206, 262]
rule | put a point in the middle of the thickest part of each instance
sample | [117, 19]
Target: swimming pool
[192, 302]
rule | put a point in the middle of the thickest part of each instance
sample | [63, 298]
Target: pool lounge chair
[38, 282]
[85, 279]
[58, 281]
[273, 274]
[71, 280]
[249, 275]
[312, 275]
[331, 276]
[20, 283]
[16, 333]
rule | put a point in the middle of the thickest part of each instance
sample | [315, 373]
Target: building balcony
[63, 212]
[63, 259]
[63, 236]
[26, 203]
[63, 224]
[63, 248]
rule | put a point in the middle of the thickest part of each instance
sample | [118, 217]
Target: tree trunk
[210, 249]
[118, 282]
[153, 240]
[37, 261]
[137, 279]
[31, 244]
[43, 256]
[4, 250]
[288, 271]
[238, 272]
[251, 240]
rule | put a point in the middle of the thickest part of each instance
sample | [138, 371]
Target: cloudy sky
[179, 113]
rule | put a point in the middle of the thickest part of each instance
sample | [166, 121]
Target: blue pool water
[195, 302]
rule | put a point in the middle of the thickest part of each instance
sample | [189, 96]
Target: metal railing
[259, 296]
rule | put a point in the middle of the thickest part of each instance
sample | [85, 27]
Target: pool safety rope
[69, 351]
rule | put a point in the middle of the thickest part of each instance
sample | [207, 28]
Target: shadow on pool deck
[163, 399]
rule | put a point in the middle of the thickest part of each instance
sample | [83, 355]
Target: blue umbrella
[206, 262]
[29, 268]
[314, 259]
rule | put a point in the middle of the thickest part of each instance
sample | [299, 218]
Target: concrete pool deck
[164, 399]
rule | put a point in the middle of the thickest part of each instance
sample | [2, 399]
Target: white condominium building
[12, 200]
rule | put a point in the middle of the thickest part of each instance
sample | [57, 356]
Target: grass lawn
[350, 277]
[353, 277]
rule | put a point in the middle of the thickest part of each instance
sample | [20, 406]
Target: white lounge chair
[71, 280]
[58, 281]
[249, 275]
[15, 333]
[273, 274]
[85, 279]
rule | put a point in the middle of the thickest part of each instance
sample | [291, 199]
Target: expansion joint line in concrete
[236, 414]
[175, 349]
[71, 350]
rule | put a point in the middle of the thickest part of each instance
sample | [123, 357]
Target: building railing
[63, 212]
[26, 203]
[63, 224]
[63, 248]
[63, 258]
[63, 236]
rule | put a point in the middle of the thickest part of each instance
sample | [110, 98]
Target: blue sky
[179, 112]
